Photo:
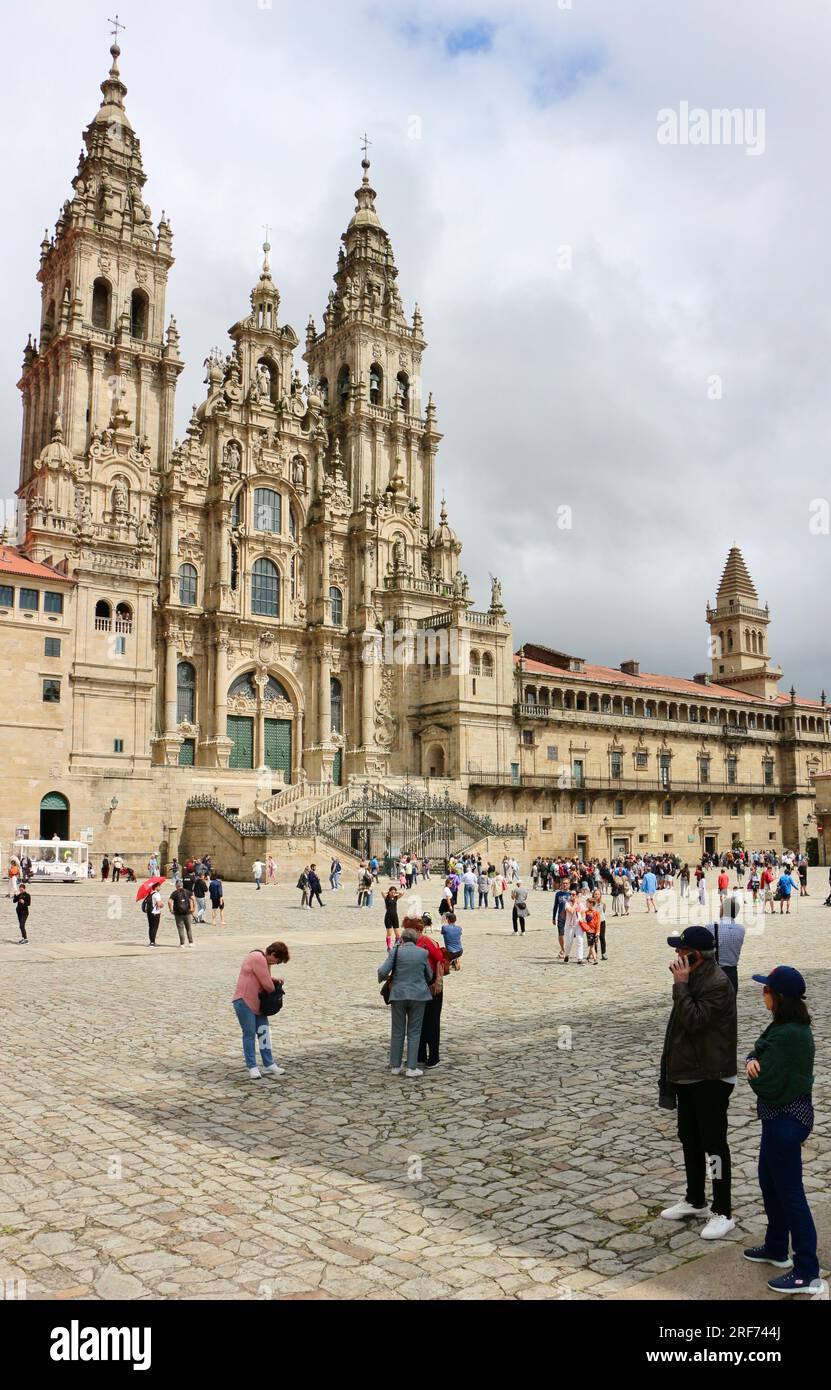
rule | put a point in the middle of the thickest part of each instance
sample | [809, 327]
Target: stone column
[367, 704]
[220, 712]
[170, 663]
[324, 580]
[297, 747]
[324, 698]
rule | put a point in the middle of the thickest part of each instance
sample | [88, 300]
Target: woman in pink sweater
[254, 976]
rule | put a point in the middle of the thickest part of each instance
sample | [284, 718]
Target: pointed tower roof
[365, 279]
[736, 581]
[112, 106]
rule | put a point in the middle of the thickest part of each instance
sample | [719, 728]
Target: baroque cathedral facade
[213, 616]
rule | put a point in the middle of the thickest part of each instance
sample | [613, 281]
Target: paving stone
[539, 1178]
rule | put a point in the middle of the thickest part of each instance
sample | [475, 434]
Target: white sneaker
[274, 1070]
[254, 1073]
[396, 1071]
[682, 1209]
[717, 1227]
[414, 1071]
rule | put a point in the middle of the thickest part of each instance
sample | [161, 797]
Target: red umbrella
[148, 886]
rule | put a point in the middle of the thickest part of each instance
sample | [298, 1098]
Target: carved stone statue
[263, 382]
[496, 593]
[232, 456]
[399, 555]
[121, 499]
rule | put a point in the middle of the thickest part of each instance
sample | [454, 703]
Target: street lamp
[114, 803]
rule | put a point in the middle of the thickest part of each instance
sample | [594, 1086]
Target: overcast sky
[502, 133]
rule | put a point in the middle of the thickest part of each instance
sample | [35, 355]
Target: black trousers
[702, 1129]
[22, 918]
[315, 893]
[428, 1048]
[153, 920]
[732, 973]
[603, 937]
[516, 919]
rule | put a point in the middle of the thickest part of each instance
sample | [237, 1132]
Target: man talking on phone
[698, 1073]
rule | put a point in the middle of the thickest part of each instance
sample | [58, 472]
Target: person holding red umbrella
[152, 904]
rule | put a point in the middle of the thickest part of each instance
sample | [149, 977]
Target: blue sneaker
[759, 1256]
[788, 1283]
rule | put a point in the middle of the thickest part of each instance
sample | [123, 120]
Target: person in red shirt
[767, 888]
[428, 1048]
[723, 885]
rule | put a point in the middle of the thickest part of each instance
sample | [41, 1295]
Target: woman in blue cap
[780, 1070]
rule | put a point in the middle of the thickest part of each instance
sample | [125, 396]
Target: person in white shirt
[574, 934]
[154, 915]
[258, 873]
[469, 886]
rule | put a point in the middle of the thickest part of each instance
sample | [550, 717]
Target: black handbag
[271, 1003]
[387, 985]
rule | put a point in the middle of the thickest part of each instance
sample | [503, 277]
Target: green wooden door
[241, 733]
[337, 768]
[278, 746]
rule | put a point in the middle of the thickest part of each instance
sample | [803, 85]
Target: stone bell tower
[738, 625]
[98, 397]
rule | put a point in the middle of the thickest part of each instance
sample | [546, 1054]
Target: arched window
[123, 618]
[336, 606]
[243, 685]
[336, 702]
[48, 325]
[187, 585]
[275, 691]
[185, 693]
[101, 300]
[530, 695]
[403, 391]
[139, 314]
[545, 697]
[103, 616]
[236, 511]
[343, 387]
[376, 385]
[267, 509]
[265, 589]
[730, 639]
[475, 666]
[323, 388]
[292, 523]
[487, 664]
[606, 705]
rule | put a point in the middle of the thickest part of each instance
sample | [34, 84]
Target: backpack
[181, 902]
[146, 902]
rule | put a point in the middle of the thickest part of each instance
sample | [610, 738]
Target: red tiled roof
[649, 680]
[13, 561]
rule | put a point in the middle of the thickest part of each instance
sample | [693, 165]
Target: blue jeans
[786, 1207]
[468, 895]
[254, 1027]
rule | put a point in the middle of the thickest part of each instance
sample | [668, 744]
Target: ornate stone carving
[386, 725]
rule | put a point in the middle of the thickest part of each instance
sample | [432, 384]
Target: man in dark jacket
[699, 1066]
[314, 887]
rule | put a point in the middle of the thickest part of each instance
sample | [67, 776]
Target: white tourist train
[54, 861]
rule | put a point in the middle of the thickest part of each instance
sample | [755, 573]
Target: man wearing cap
[698, 1073]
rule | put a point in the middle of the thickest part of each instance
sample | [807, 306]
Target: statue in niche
[263, 382]
[121, 497]
[232, 457]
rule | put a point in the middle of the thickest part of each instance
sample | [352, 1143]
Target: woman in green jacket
[780, 1070]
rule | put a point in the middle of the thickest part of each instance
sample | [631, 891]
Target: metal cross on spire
[266, 229]
[365, 143]
[116, 23]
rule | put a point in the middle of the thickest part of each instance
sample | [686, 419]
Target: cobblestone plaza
[141, 1162]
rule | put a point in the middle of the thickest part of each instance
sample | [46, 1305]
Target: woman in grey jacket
[409, 966]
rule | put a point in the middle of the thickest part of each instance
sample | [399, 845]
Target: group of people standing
[699, 1071]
